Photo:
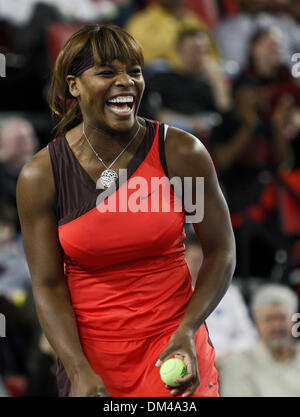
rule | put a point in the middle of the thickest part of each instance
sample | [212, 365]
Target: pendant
[108, 177]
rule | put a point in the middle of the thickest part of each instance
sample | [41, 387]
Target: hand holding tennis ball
[172, 369]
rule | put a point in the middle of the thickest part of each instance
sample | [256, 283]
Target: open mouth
[121, 104]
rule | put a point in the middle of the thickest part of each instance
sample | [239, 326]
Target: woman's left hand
[182, 345]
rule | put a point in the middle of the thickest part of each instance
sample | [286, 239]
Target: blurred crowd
[223, 71]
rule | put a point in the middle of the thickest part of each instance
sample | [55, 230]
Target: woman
[191, 91]
[112, 289]
[278, 90]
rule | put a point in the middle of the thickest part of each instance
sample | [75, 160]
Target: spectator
[265, 94]
[243, 147]
[253, 142]
[14, 274]
[183, 96]
[266, 67]
[229, 325]
[272, 367]
[233, 35]
[158, 27]
[18, 143]
[285, 16]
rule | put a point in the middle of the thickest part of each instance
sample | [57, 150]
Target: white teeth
[121, 99]
[124, 109]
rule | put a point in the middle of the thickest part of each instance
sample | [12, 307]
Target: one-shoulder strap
[75, 191]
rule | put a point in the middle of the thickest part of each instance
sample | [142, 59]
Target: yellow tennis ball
[172, 369]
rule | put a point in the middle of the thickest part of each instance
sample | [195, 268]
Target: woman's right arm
[36, 197]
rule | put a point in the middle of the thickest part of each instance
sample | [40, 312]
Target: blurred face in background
[274, 324]
[193, 52]
[194, 258]
[18, 143]
[267, 49]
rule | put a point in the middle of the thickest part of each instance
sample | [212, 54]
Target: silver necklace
[109, 176]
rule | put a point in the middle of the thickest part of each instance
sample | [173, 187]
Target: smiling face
[109, 95]
[97, 64]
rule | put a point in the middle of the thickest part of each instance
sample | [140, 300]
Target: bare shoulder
[38, 170]
[186, 155]
[35, 182]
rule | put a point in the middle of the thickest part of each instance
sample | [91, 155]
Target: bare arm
[191, 159]
[36, 207]
[187, 157]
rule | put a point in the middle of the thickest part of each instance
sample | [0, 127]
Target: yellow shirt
[157, 31]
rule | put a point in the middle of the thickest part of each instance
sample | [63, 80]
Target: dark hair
[191, 32]
[103, 44]
[257, 35]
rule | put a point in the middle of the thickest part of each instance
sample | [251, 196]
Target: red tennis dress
[126, 271]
